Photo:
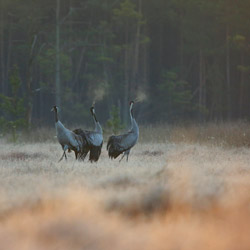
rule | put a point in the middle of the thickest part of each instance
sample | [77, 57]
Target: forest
[182, 61]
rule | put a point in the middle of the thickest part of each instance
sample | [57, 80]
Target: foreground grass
[172, 194]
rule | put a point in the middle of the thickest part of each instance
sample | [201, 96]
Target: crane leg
[76, 154]
[127, 153]
[64, 154]
[122, 157]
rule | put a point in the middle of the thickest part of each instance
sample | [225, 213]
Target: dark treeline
[182, 59]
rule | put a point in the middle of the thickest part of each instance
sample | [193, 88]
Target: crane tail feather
[84, 145]
[113, 151]
[95, 153]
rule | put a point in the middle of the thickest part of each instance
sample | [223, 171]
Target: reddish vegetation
[77, 222]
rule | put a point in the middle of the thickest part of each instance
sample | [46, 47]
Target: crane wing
[85, 145]
[118, 144]
[93, 143]
[94, 138]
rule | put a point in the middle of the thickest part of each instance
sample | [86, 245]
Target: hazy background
[183, 60]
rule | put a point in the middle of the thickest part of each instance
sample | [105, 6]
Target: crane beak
[131, 103]
[55, 107]
[92, 110]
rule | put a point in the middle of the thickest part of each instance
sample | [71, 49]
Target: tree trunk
[8, 58]
[228, 83]
[137, 50]
[2, 49]
[126, 78]
[145, 66]
[29, 85]
[57, 76]
[79, 65]
[242, 90]
[204, 102]
[200, 85]
[181, 48]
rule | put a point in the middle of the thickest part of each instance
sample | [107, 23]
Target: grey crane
[123, 143]
[67, 138]
[94, 139]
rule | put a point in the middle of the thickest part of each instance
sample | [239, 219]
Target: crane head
[131, 103]
[55, 109]
[92, 110]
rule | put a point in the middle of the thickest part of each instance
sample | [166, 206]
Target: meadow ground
[183, 188]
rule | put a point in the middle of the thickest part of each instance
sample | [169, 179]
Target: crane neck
[56, 116]
[98, 127]
[94, 117]
[131, 112]
[134, 126]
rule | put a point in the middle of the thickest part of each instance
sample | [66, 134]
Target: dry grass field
[183, 188]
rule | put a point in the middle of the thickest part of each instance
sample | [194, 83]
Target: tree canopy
[182, 60]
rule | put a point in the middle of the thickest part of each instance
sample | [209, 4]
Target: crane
[118, 144]
[67, 138]
[94, 139]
